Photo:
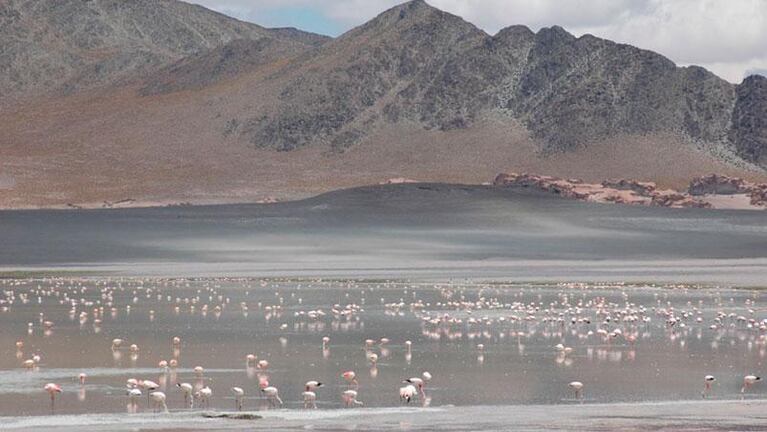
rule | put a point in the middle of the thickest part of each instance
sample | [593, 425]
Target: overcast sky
[729, 37]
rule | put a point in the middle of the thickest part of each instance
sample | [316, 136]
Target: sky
[728, 37]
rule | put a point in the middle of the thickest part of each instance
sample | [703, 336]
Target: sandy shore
[698, 416]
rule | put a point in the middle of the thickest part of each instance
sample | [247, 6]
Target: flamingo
[748, 381]
[133, 395]
[350, 377]
[312, 385]
[116, 344]
[325, 341]
[250, 359]
[709, 381]
[407, 393]
[426, 376]
[204, 396]
[263, 381]
[350, 398]
[238, 395]
[52, 390]
[187, 389]
[418, 383]
[577, 386]
[310, 399]
[149, 387]
[82, 378]
[272, 395]
[158, 398]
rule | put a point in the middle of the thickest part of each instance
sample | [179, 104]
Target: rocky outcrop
[642, 188]
[718, 184]
[612, 191]
[714, 184]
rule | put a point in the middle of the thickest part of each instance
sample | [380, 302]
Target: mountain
[69, 45]
[190, 105]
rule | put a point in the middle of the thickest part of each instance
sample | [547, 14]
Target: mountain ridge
[415, 92]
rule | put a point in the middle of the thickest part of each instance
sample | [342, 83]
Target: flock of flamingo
[607, 322]
[201, 393]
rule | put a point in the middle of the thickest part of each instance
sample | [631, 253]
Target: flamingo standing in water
[310, 396]
[708, 381]
[53, 390]
[238, 395]
[577, 386]
[250, 360]
[350, 398]
[748, 381]
[204, 396]
[407, 393]
[187, 389]
[312, 385]
[82, 378]
[419, 383]
[272, 395]
[158, 398]
[310, 399]
[149, 387]
[133, 395]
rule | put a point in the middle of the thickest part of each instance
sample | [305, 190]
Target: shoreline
[676, 415]
[729, 274]
[576, 191]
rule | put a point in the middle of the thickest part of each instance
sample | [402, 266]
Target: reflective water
[629, 343]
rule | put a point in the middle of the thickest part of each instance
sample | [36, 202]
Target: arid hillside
[164, 102]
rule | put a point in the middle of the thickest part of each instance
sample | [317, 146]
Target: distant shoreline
[608, 192]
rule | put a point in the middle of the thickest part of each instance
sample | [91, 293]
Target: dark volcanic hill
[186, 104]
[426, 66]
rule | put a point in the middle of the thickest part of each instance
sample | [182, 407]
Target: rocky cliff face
[749, 119]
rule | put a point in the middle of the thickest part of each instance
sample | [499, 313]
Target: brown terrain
[710, 191]
[249, 113]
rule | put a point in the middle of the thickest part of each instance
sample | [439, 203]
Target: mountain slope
[433, 68]
[66, 46]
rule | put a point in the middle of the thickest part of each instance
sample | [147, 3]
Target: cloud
[726, 36]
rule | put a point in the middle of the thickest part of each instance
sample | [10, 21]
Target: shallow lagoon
[519, 326]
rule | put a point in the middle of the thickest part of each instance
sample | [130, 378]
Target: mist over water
[446, 267]
[426, 231]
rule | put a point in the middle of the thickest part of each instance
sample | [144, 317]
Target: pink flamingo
[53, 390]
